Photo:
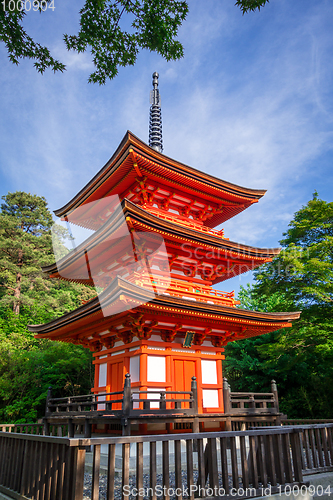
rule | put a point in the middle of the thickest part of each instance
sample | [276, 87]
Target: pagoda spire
[155, 117]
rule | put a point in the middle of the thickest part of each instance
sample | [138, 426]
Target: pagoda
[155, 257]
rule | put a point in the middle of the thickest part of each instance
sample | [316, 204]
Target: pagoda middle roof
[102, 245]
[134, 158]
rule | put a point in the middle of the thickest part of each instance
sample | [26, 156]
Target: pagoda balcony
[178, 410]
[188, 291]
[182, 221]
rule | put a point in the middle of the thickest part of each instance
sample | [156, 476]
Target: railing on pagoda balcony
[196, 226]
[188, 291]
[128, 403]
[241, 410]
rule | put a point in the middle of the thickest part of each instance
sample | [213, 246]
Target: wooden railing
[186, 222]
[316, 443]
[258, 402]
[246, 410]
[241, 410]
[223, 464]
[38, 429]
[38, 467]
[132, 403]
[84, 404]
[306, 421]
[23, 428]
[182, 289]
[255, 403]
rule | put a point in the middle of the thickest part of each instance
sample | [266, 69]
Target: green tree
[245, 365]
[25, 246]
[29, 366]
[300, 278]
[304, 269]
[153, 25]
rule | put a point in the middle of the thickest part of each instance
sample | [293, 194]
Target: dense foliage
[300, 359]
[29, 366]
[113, 40]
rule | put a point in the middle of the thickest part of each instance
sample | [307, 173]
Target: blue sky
[251, 102]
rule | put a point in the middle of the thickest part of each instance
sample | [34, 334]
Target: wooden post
[87, 428]
[87, 432]
[71, 428]
[194, 390]
[46, 429]
[276, 402]
[48, 397]
[196, 428]
[78, 473]
[126, 406]
[276, 398]
[228, 424]
[162, 401]
[226, 396]
[296, 451]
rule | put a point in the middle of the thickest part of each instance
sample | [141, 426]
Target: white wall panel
[210, 398]
[102, 374]
[209, 374]
[135, 368]
[156, 369]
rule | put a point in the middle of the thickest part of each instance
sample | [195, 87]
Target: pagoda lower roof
[103, 314]
[102, 253]
[134, 158]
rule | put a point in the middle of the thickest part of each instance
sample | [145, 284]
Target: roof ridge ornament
[155, 117]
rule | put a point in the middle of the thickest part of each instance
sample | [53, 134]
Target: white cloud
[73, 60]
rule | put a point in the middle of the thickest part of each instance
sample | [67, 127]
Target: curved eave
[178, 230]
[174, 169]
[121, 287]
[150, 222]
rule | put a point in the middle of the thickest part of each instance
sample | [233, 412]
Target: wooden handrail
[87, 395]
[92, 403]
[30, 457]
[185, 222]
[199, 292]
[250, 402]
[249, 394]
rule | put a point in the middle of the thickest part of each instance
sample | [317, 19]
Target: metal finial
[155, 117]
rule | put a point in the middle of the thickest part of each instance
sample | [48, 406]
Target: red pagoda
[161, 321]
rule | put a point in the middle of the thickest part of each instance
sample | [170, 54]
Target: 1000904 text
[27, 5]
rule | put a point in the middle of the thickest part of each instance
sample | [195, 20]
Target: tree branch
[121, 13]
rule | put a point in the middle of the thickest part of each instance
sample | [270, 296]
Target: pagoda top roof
[133, 158]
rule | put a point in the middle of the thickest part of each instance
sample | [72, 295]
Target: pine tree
[25, 245]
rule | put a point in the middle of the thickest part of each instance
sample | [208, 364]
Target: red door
[116, 382]
[183, 373]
